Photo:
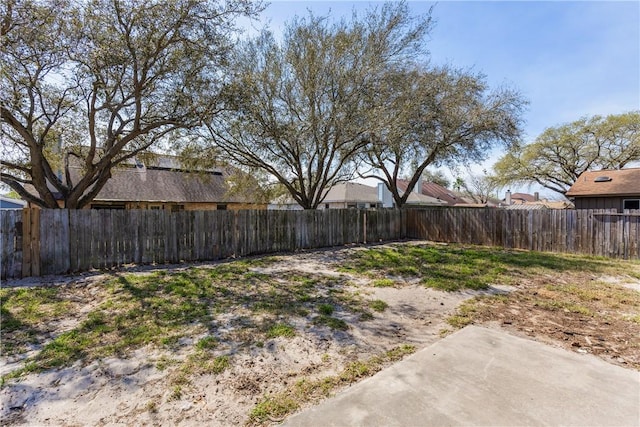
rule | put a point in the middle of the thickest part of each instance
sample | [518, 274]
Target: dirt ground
[526, 313]
[136, 391]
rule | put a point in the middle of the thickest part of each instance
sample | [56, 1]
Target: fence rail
[53, 241]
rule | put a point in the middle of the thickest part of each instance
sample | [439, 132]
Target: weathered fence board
[590, 232]
[36, 242]
[11, 241]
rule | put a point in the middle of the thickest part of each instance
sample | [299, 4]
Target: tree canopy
[299, 107]
[560, 154]
[92, 84]
[436, 115]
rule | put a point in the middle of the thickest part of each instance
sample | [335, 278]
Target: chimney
[418, 188]
[507, 198]
[536, 196]
[384, 196]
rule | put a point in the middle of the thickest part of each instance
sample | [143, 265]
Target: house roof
[421, 199]
[141, 184]
[162, 185]
[523, 196]
[434, 190]
[351, 192]
[603, 183]
[162, 178]
[526, 207]
[9, 203]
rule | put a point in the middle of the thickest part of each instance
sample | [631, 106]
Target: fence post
[30, 242]
[364, 226]
[26, 242]
[626, 234]
[236, 235]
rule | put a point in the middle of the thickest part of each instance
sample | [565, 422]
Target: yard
[253, 340]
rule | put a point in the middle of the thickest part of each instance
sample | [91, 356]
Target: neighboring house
[473, 201]
[524, 201]
[416, 200]
[9, 203]
[541, 205]
[162, 185]
[445, 197]
[348, 195]
[607, 189]
[519, 198]
[433, 190]
[351, 195]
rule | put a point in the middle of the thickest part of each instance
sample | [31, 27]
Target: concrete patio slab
[486, 377]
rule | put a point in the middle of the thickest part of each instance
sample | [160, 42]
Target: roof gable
[523, 196]
[434, 190]
[351, 192]
[621, 182]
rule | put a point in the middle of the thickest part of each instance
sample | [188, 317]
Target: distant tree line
[94, 84]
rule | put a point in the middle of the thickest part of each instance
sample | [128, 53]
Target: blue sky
[568, 58]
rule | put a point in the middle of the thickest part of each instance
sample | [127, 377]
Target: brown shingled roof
[434, 190]
[162, 185]
[622, 182]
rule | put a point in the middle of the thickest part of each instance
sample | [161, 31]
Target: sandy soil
[134, 391]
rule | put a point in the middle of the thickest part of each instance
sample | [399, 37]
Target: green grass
[326, 309]
[159, 309]
[378, 305]
[383, 283]
[281, 330]
[457, 267]
[274, 407]
[565, 306]
[25, 314]
[464, 314]
[331, 322]
[207, 343]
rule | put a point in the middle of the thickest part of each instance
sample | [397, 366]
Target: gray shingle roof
[352, 192]
[162, 185]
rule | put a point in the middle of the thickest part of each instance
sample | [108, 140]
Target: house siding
[599, 202]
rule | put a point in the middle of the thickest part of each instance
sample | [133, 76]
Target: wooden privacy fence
[38, 242]
[590, 232]
[53, 241]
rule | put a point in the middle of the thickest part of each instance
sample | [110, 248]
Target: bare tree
[480, 187]
[560, 154]
[95, 83]
[298, 107]
[432, 116]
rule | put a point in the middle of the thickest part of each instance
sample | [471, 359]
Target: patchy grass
[378, 305]
[383, 283]
[331, 322]
[202, 318]
[464, 314]
[25, 314]
[161, 308]
[207, 343]
[457, 267]
[274, 407]
[281, 330]
[326, 309]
